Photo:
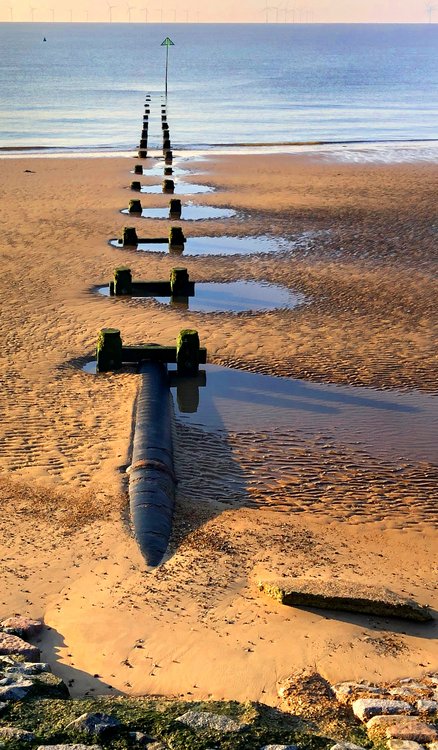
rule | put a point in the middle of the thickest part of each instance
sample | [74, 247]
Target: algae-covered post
[109, 350]
[176, 237]
[135, 185]
[179, 281]
[168, 157]
[168, 186]
[122, 281]
[175, 208]
[187, 352]
[129, 236]
[135, 207]
[138, 169]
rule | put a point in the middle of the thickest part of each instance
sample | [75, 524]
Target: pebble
[346, 746]
[69, 747]
[279, 747]
[207, 720]
[366, 708]
[404, 745]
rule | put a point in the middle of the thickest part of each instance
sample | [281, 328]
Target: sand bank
[366, 264]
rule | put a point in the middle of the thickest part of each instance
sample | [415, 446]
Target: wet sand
[363, 242]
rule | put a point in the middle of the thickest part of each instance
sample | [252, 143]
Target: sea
[358, 89]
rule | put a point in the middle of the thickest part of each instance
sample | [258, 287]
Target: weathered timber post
[176, 238]
[135, 207]
[122, 281]
[187, 353]
[179, 279]
[144, 134]
[143, 143]
[168, 157]
[168, 171]
[165, 125]
[109, 350]
[168, 186]
[135, 185]
[138, 169]
[142, 154]
[175, 208]
[129, 236]
[166, 144]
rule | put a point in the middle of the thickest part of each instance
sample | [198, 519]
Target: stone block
[12, 644]
[401, 727]
[366, 708]
[21, 626]
[204, 720]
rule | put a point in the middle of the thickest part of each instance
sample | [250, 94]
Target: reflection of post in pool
[176, 239]
[187, 390]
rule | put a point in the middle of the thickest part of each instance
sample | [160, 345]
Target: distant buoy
[44, 40]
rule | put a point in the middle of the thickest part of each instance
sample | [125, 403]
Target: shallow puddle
[230, 296]
[181, 188]
[158, 171]
[218, 245]
[190, 212]
[384, 423]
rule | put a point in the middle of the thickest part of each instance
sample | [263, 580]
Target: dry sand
[197, 626]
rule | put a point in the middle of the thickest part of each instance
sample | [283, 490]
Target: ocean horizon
[286, 86]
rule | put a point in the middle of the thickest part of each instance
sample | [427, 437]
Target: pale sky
[248, 11]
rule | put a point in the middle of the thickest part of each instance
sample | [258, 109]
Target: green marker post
[167, 43]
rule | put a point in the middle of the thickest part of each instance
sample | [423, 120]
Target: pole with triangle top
[167, 43]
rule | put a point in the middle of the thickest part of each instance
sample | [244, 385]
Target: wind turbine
[110, 10]
[160, 11]
[430, 10]
[266, 10]
[70, 10]
[32, 13]
[186, 12]
[174, 14]
[11, 11]
[52, 14]
[130, 7]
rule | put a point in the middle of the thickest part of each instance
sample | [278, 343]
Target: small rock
[69, 747]
[346, 692]
[15, 691]
[207, 720]
[404, 745]
[427, 707]
[401, 727]
[156, 746]
[366, 708]
[12, 644]
[97, 723]
[22, 626]
[16, 735]
[279, 747]
[346, 746]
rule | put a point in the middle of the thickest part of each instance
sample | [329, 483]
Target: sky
[221, 11]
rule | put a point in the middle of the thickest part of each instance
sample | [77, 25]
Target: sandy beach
[363, 241]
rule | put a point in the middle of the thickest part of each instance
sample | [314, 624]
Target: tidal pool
[181, 188]
[229, 296]
[396, 424]
[225, 245]
[190, 212]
